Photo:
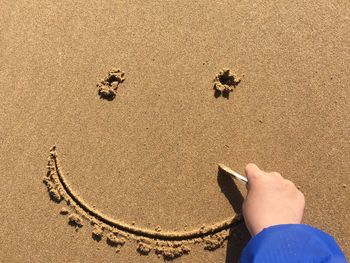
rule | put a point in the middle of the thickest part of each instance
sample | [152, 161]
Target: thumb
[252, 171]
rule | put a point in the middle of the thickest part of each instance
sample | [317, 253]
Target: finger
[252, 171]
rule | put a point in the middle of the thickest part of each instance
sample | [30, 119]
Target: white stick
[233, 173]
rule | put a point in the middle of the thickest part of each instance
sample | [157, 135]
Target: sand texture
[168, 245]
[115, 114]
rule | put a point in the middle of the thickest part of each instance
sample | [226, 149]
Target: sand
[169, 245]
[146, 160]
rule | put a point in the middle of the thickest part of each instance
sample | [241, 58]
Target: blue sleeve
[292, 243]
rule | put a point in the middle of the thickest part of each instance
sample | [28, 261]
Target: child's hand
[271, 200]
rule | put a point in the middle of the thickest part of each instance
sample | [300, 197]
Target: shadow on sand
[239, 235]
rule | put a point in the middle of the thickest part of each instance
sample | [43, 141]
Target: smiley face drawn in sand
[165, 244]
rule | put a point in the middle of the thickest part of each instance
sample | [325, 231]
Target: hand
[271, 200]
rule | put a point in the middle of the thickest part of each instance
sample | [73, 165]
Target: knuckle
[288, 186]
[276, 174]
[255, 175]
[302, 197]
[289, 183]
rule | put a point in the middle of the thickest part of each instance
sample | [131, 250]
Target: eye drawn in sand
[225, 82]
[107, 87]
[168, 245]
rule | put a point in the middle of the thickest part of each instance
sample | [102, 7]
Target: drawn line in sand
[167, 244]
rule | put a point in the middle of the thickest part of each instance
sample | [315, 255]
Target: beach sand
[148, 157]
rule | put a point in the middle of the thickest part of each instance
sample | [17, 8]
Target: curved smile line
[56, 176]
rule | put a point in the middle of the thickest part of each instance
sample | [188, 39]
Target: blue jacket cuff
[292, 243]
